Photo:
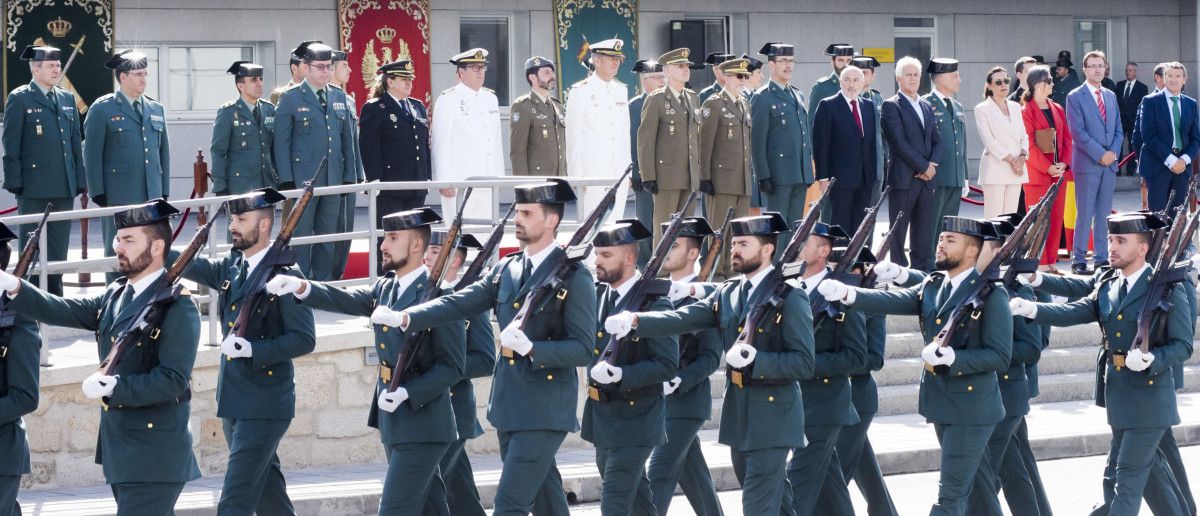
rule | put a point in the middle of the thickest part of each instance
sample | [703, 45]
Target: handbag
[1045, 139]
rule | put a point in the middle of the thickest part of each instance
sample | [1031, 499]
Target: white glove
[947, 357]
[619, 325]
[99, 385]
[386, 316]
[1023, 307]
[833, 290]
[966, 191]
[282, 284]
[929, 354]
[671, 386]
[1138, 361]
[679, 291]
[236, 347]
[515, 339]
[889, 272]
[740, 355]
[605, 373]
[8, 282]
[390, 401]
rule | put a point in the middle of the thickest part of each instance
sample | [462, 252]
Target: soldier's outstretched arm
[1070, 287]
[449, 344]
[696, 316]
[167, 380]
[1082, 311]
[82, 312]
[996, 330]
[899, 302]
[353, 301]
[797, 361]
[579, 320]
[470, 301]
[203, 270]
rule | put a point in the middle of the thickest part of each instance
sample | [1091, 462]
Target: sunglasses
[1002, 82]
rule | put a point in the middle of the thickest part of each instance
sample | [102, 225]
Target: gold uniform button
[385, 328]
[970, 388]
[826, 380]
[230, 323]
[233, 307]
[937, 321]
[1120, 316]
[1151, 382]
[1118, 334]
[595, 352]
[382, 346]
[770, 398]
[517, 304]
[631, 403]
[512, 362]
[149, 425]
[739, 329]
[270, 373]
[549, 377]
[760, 330]
[229, 359]
[599, 334]
[1005, 377]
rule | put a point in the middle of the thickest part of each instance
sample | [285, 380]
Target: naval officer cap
[969, 227]
[465, 240]
[768, 224]
[941, 65]
[403, 69]
[257, 200]
[609, 47]
[832, 232]
[469, 57]
[41, 53]
[692, 227]
[739, 67]
[839, 50]
[754, 65]
[1126, 223]
[157, 210]
[127, 60]
[865, 63]
[535, 63]
[624, 231]
[647, 66]
[315, 51]
[865, 256]
[241, 69]
[410, 219]
[553, 191]
[773, 50]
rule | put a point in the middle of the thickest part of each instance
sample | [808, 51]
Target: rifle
[1156, 240]
[414, 340]
[1027, 255]
[1166, 274]
[648, 288]
[709, 268]
[775, 283]
[885, 248]
[822, 308]
[164, 291]
[562, 265]
[24, 263]
[475, 270]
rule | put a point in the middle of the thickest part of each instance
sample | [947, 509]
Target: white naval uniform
[465, 142]
[598, 138]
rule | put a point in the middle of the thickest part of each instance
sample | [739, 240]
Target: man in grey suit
[1096, 137]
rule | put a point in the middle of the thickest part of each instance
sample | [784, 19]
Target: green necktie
[1175, 116]
[137, 108]
[1124, 290]
[53, 102]
[321, 97]
[526, 272]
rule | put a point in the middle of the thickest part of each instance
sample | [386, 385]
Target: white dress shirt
[1171, 158]
[915, 102]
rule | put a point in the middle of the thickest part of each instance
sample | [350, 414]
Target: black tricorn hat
[127, 60]
[245, 69]
[969, 227]
[865, 62]
[754, 63]
[553, 191]
[465, 240]
[941, 65]
[256, 200]
[647, 66]
[777, 49]
[157, 210]
[410, 219]
[41, 53]
[833, 232]
[865, 256]
[839, 50]
[769, 223]
[694, 227]
[622, 232]
[6, 234]
[1124, 223]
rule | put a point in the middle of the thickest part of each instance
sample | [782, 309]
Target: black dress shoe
[1081, 269]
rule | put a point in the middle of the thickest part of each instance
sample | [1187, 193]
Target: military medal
[38, 128]
[393, 117]
[545, 135]
[730, 137]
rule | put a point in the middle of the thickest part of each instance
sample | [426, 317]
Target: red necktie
[857, 118]
[1100, 104]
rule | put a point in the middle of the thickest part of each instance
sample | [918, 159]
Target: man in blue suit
[1096, 136]
[651, 77]
[910, 130]
[1169, 139]
[844, 148]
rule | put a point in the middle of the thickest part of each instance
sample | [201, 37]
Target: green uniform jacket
[710, 90]
[699, 357]
[826, 86]
[127, 162]
[480, 361]
[1133, 399]
[537, 137]
[538, 391]
[144, 433]
[18, 392]
[636, 412]
[43, 154]
[757, 416]
[304, 134]
[969, 393]
[427, 416]
[780, 140]
[261, 386]
[668, 140]
[840, 348]
[864, 392]
[1026, 351]
[241, 148]
[725, 144]
[952, 164]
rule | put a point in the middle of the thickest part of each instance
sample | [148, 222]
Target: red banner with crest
[376, 32]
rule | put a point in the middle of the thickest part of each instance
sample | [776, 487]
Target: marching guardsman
[1138, 388]
[145, 443]
[840, 55]
[780, 139]
[538, 125]
[596, 126]
[416, 421]
[868, 65]
[43, 153]
[713, 59]
[650, 78]
[623, 414]
[963, 403]
[313, 121]
[120, 170]
[462, 496]
[394, 138]
[345, 222]
[725, 147]
[20, 348]
[763, 406]
[689, 394]
[951, 178]
[535, 387]
[242, 136]
[840, 345]
[256, 394]
[668, 147]
[465, 134]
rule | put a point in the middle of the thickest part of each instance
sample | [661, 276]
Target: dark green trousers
[858, 462]
[809, 468]
[964, 452]
[146, 498]
[461, 494]
[679, 461]
[762, 474]
[1020, 466]
[253, 479]
[529, 475]
[1136, 468]
[621, 472]
[9, 484]
[58, 237]
[946, 201]
[413, 471]
[983, 499]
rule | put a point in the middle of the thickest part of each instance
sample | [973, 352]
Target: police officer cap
[839, 50]
[244, 69]
[754, 65]
[1124, 223]
[865, 256]
[316, 52]
[647, 66]
[472, 56]
[777, 50]
[833, 232]
[624, 231]
[969, 227]
[693, 227]
[865, 62]
[256, 200]
[553, 191]
[158, 210]
[609, 47]
[767, 224]
[397, 69]
[35, 53]
[941, 65]
[716, 58]
[465, 240]
[533, 64]
[410, 219]
[127, 60]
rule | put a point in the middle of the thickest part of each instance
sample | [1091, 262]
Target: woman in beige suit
[1005, 146]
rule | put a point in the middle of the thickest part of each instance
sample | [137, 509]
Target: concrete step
[908, 343]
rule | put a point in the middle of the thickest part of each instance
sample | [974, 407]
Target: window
[1089, 35]
[197, 75]
[916, 37]
[491, 33]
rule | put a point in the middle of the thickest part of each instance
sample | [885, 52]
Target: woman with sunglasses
[1005, 146]
[1049, 155]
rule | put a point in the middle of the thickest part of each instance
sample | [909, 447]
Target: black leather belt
[743, 379]
[604, 396]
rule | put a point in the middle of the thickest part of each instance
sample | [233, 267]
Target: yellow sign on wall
[883, 55]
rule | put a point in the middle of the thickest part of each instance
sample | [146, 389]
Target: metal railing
[218, 244]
